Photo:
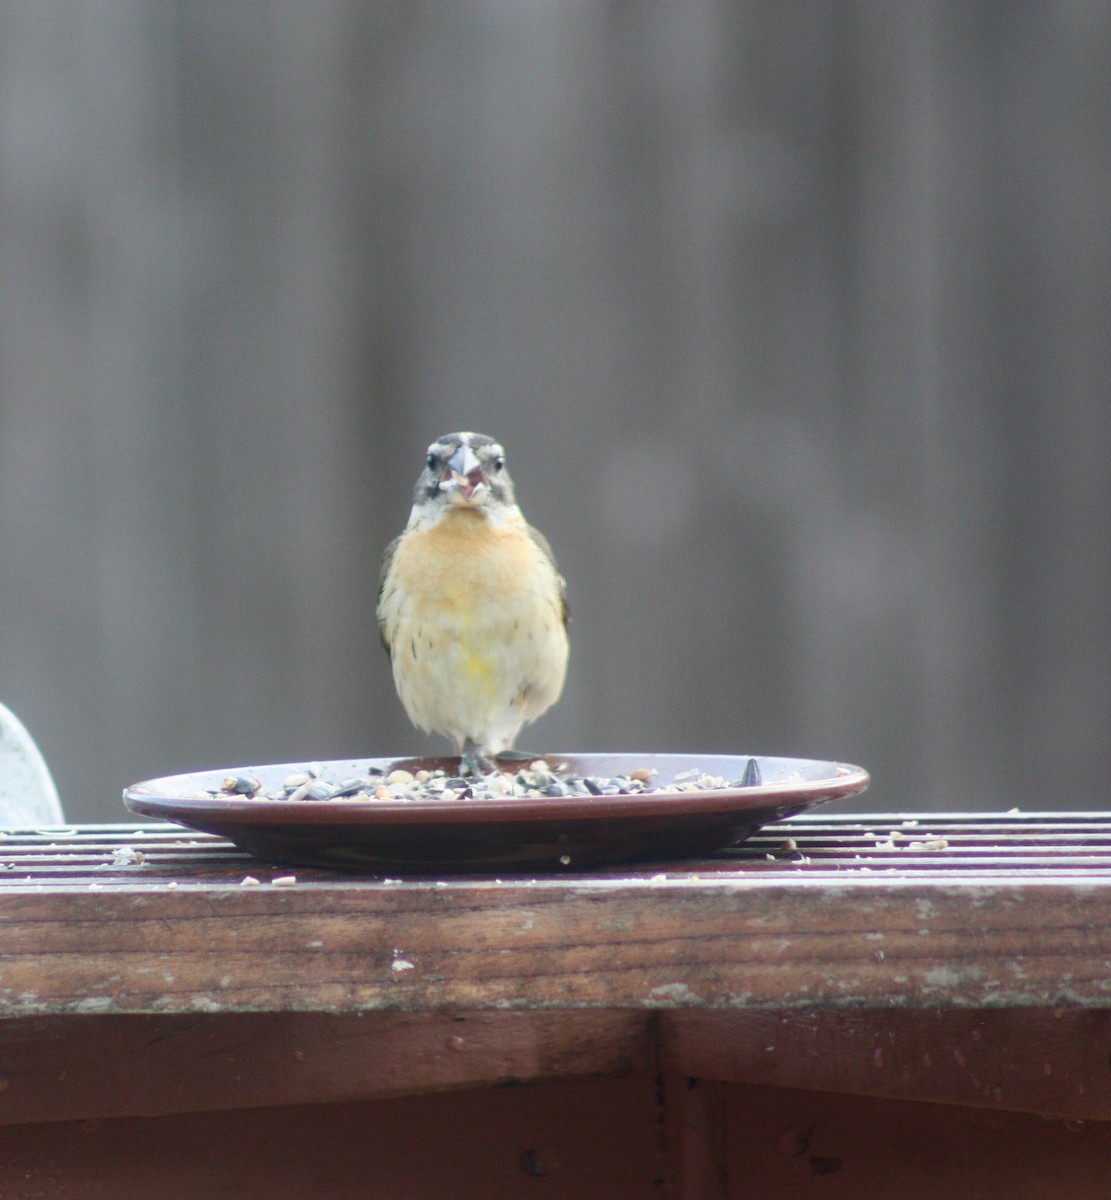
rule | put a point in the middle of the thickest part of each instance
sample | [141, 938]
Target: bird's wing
[541, 543]
[387, 563]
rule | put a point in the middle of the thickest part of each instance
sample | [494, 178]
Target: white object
[28, 797]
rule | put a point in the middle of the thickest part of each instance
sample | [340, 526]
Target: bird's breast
[472, 610]
[468, 568]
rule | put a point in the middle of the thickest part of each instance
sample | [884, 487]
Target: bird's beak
[464, 480]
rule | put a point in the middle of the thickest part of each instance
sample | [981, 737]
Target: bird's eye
[499, 462]
[432, 460]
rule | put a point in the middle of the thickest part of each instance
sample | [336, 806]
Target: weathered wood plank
[717, 944]
[1050, 1062]
[80, 1068]
[783, 1143]
[576, 1140]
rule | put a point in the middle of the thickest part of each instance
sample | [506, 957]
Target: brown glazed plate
[509, 834]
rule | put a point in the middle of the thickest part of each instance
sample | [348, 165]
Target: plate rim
[151, 797]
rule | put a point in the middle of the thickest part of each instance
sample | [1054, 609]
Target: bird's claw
[473, 762]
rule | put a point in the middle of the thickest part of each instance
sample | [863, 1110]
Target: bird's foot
[473, 762]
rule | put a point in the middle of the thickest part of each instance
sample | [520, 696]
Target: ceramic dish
[503, 835]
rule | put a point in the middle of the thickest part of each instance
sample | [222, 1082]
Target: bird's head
[465, 470]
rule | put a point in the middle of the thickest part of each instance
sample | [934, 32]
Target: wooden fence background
[795, 319]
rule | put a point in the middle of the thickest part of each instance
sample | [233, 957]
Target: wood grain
[1048, 1062]
[784, 1143]
[1052, 1063]
[576, 1140]
[344, 947]
[70, 1068]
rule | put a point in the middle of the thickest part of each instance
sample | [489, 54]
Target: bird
[472, 608]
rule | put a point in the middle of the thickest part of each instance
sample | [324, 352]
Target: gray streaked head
[466, 469]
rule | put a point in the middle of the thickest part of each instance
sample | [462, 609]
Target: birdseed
[539, 779]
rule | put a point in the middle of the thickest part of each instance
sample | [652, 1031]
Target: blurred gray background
[795, 320]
